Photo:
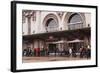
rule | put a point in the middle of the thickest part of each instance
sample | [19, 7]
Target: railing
[75, 26]
[51, 29]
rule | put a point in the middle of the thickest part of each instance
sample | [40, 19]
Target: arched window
[75, 21]
[51, 25]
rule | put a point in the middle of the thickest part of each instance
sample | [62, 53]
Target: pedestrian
[88, 52]
[81, 52]
[70, 51]
[61, 51]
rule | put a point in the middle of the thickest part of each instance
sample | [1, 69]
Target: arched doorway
[51, 24]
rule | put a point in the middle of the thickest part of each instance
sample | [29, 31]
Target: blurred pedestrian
[70, 51]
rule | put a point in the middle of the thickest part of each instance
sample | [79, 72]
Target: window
[51, 25]
[75, 21]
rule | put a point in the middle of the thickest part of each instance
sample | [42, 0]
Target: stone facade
[35, 21]
[38, 22]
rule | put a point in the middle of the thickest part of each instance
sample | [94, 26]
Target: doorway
[52, 47]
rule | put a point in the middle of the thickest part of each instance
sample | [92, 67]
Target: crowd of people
[70, 52]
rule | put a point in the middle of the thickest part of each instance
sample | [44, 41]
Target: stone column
[29, 15]
[86, 42]
[29, 25]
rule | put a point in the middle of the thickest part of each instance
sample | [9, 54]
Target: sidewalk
[44, 59]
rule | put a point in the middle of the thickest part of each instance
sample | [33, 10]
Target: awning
[59, 34]
[62, 41]
[58, 42]
[75, 41]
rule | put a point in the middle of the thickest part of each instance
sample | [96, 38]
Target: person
[61, 51]
[88, 52]
[38, 51]
[74, 52]
[43, 51]
[55, 51]
[24, 52]
[81, 54]
[29, 51]
[70, 51]
[66, 51]
[47, 51]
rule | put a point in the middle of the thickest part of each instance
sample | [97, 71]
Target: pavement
[53, 58]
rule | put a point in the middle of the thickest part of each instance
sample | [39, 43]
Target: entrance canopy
[58, 42]
[69, 34]
[62, 41]
[75, 41]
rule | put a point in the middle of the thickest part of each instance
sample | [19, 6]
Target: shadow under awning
[65, 33]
